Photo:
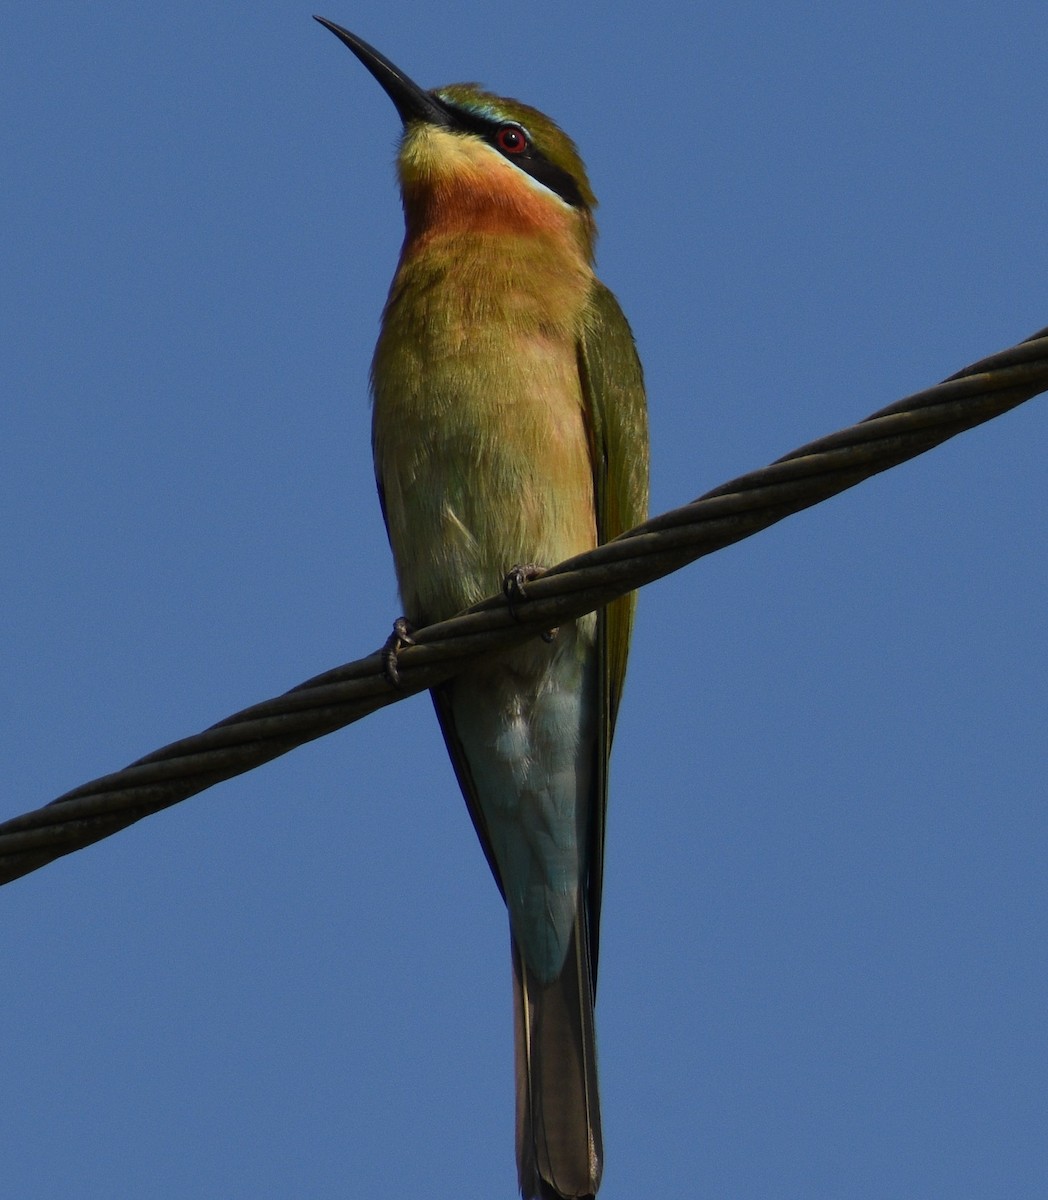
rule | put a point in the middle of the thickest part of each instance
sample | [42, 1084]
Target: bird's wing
[456, 752]
[613, 389]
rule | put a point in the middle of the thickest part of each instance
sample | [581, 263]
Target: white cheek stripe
[537, 184]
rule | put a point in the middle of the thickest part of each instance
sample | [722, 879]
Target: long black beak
[412, 102]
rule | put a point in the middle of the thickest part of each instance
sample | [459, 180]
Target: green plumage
[613, 384]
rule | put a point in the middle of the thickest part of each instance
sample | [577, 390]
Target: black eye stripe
[549, 174]
[530, 159]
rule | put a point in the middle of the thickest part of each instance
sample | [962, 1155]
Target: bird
[509, 432]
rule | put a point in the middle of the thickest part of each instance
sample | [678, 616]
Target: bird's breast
[480, 434]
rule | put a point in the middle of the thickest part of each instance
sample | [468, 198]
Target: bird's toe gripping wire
[514, 588]
[397, 640]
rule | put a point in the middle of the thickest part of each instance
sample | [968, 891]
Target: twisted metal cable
[729, 513]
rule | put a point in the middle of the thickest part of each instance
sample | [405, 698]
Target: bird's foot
[515, 584]
[514, 588]
[397, 640]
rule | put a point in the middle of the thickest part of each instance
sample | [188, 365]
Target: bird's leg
[397, 640]
[514, 588]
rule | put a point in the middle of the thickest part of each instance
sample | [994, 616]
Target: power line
[664, 544]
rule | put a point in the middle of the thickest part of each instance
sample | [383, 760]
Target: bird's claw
[514, 588]
[397, 640]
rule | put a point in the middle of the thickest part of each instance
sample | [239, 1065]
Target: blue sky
[823, 960]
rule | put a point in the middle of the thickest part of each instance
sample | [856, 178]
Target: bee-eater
[510, 430]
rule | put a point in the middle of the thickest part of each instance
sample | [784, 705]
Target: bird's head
[473, 162]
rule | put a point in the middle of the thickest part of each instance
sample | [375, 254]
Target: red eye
[511, 139]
